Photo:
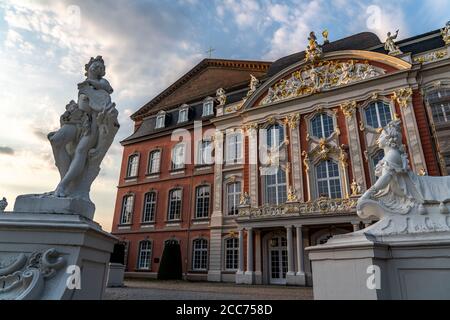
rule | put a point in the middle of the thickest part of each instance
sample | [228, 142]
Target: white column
[241, 251]
[250, 250]
[300, 257]
[290, 250]
[355, 225]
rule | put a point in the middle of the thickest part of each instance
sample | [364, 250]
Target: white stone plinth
[38, 203]
[406, 267]
[42, 248]
[295, 279]
[116, 274]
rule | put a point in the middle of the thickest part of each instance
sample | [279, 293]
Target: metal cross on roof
[210, 51]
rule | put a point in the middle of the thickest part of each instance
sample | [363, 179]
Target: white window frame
[328, 178]
[204, 154]
[234, 147]
[152, 205]
[131, 164]
[183, 114]
[235, 195]
[126, 212]
[208, 107]
[275, 143]
[234, 254]
[175, 216]
[206, 201]
[154, 167]
[322, 126]
[377, 112]
[160, 120]
[277, 185]
[202, 252]
[145, 253]
[176, 164]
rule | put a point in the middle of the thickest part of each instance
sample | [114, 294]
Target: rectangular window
[233, 198]
[154, 162]
[178, 157]
[145, 254]
[160, 121]
[231, 254]
[183, 115]
[202, 202]
[174, 205]
[200, 254]
[208, 108]
[149, 207]
[234, 148]
[204, 156]
[133, 166]
[127, 209]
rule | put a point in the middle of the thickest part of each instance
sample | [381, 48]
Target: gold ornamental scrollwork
[402, 96]
[349, 108]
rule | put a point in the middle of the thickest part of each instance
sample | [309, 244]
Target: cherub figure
[87, 130]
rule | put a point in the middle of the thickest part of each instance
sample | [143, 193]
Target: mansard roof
[203, 80]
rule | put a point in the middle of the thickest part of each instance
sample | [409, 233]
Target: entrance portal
[278, 260]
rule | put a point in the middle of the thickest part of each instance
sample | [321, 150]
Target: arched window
[378, 114]
[322, 125]
[233, 198]
[178, 156]
[202, 196]
[200, 254]
[439, 101]
[127, 209]
[275, 187]
[133, 166]
[160, 120]
[375, 158]
[145, 255]
[174, 212]
[231, 253]
[275, 136]
[154, 162]
[149, 207]
[328, 180]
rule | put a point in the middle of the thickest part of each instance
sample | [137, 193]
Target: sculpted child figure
[87, 130]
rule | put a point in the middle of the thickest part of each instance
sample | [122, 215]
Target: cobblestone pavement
[184, 290]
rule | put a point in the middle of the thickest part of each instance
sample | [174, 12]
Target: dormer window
[183, 113]
[208, 107]
[160, 120]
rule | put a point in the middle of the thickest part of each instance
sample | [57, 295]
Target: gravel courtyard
[183, 290]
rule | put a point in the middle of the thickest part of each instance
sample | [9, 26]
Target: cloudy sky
[147, 45]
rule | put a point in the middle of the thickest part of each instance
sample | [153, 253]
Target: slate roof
[361, 41]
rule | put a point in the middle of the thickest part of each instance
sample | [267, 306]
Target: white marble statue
[404, 201]
[3, 204]
[87, 131]
[254, 83]
[445, 32]
[390, 46]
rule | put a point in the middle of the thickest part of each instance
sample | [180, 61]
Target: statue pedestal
[360, 266]
[38, 203]
[52, 256]
[116, 274]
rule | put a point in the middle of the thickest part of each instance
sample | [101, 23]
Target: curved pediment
[334, 70]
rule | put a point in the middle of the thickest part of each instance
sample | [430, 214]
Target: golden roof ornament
[313, 50]
[445, 32]
[325, 36]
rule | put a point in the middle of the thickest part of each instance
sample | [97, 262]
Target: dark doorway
[170, 267]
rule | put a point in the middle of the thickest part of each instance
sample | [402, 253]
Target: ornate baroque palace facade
[246, 163]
